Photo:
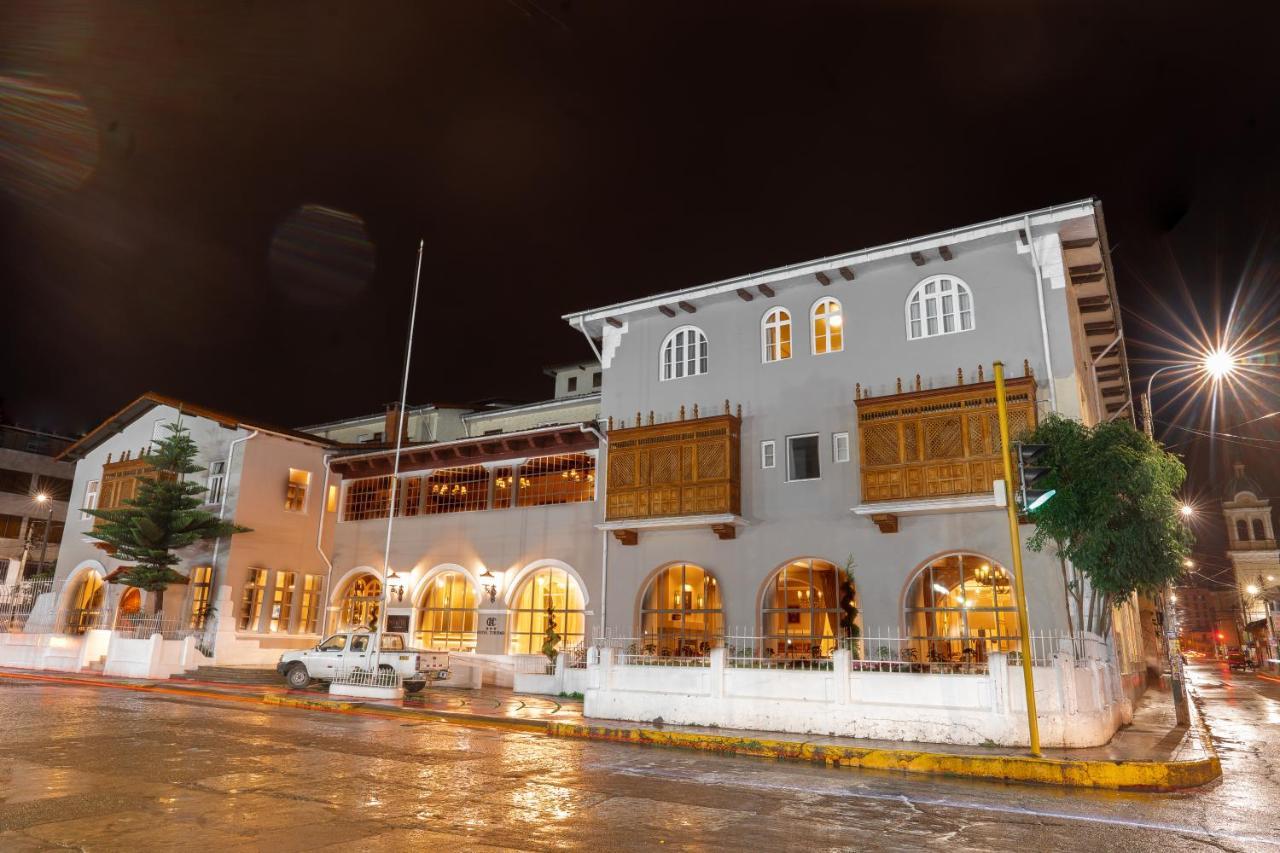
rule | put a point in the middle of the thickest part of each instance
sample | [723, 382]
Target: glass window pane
[802, 457]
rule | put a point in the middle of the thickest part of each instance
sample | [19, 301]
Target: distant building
[28, 468]
[1197, 610]
[1255, 559]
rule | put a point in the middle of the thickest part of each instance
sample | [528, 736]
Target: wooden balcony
[938, 443]
[684, 469]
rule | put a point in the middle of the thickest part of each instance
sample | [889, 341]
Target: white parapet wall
[1079, 704]
[152, 657]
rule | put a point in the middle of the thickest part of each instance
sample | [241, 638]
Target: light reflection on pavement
[113, 770]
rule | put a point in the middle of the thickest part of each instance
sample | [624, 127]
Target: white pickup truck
[353, 650]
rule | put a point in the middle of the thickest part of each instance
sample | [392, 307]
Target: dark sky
[561, 154]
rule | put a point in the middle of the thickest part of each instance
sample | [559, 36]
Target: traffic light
[1032, 469]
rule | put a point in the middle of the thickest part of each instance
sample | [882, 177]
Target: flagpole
[395, 467]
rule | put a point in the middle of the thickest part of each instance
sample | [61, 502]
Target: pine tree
[849, 607]
[163, 517]
[550, 637]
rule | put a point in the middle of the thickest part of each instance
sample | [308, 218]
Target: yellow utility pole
[1015, 540]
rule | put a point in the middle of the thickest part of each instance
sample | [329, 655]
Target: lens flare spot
[48, 141]
[322, 257]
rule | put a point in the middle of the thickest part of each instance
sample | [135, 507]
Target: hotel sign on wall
[492, 626]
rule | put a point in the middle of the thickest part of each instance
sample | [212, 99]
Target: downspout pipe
[604, 534]
[215, 581]
[1044, 320]
[324, 512]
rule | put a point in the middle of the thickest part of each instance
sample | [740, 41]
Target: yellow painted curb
[1128, 775]
[310, 704]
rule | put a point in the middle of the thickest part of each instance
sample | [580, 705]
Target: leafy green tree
[163, 517]
[1114, 518]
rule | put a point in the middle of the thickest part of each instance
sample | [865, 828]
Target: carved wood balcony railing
[687, 467]
[938, 443]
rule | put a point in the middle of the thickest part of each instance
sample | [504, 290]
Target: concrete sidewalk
[1151, 754]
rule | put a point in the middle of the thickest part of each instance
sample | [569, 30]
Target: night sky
[183, 185]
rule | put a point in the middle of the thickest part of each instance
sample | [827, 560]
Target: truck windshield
[392, 643]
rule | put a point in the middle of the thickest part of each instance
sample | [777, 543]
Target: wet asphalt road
[110, 770]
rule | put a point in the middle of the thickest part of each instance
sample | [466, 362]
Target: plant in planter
[849, 608]
[550, 639]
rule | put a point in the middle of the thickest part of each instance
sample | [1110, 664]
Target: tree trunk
[157, 600]
[1066, 590]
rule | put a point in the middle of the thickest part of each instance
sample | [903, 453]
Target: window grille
[940, 305]
[775, 335]
[684, 353]
[361, 603]
[295, 499]
[504, 486]
[282, 602]
[201, 580]
[368, 498]
[680, 614]
[547, 589]
[959, 608]
[802, 610]
[311, 605]
[447, 615]
[251, 599]
[455, 490]
[546, 480]
[217, 477]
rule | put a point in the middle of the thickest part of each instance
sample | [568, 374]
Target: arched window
[86, 603]
[827, 325]
[1258, 531]
[684, 353]
[547, 593]
[801, 610]
[939, 305]
[680, 614]
[129, 610]
[1242, 530]
[361, 603]
[959, 608]
[447, 613]
[775, 335]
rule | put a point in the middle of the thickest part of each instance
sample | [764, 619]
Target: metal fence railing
[383, 676]
[647, 651]
[746, 651]
[134, 626]
[534, 665]
[18, 601]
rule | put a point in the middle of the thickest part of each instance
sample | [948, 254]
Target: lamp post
[45, 500]
[1217, 363]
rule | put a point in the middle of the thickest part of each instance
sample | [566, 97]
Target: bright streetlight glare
[1218, 363]
[1187, 511]
[41, 498]
[1251, 589]
[1188, 564]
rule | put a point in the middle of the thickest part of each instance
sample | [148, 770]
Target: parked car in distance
[1239, 660]
[349, 651]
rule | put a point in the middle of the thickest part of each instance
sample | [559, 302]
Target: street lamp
[1217, 363]
[44, 500]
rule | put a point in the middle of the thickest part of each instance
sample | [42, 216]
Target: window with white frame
[90, 499]
[217, 478]
[775, 335]
[939, 305]
[802, 458]
[295, 496]
[840, 447]
[684, 353]
[768, 454]
[827, 322]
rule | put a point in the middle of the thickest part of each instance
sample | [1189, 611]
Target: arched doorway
[130, 608]
[361, 603]
[800, 610]
[548, 589]
[447, 615]
[959, 608]
[86, 603]
[681, 614]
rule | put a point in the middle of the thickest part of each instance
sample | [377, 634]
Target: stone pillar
[998, 674]
[491, 634]
[604, 679]
[719, 657]
[841, 673]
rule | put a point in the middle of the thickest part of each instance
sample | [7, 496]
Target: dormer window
[684, 353]
[940, 305]
[775, 335]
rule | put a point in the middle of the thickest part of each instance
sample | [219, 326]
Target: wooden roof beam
[846, 273]
[613, 321]
[1082, 243]
[822, 278]
[945, 252]
[667, 310]
[765, 290]
[687, 307]
[744, 294]
[917, 258]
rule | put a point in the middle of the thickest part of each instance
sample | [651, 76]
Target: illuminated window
[86, 603]
[680, 614]
[361, 603]
[331, 502]
[282, 601]
[827, 321]
[454, 490]
[546, 480]
[309, 607]
[545, 594]
[366, 499]
[801, 610]
[201, 580]
[447, 614]
[251, 600]
[10, 526]
[940, 305]
[959, 608]
[684, 353]
[295, 499]
[214, 485]
[90, 499]
[775, 335]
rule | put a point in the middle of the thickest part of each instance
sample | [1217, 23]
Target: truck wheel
[297, 677]
[414, 686]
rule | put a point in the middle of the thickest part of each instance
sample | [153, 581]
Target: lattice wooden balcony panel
[938, 443]
[674, 469]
